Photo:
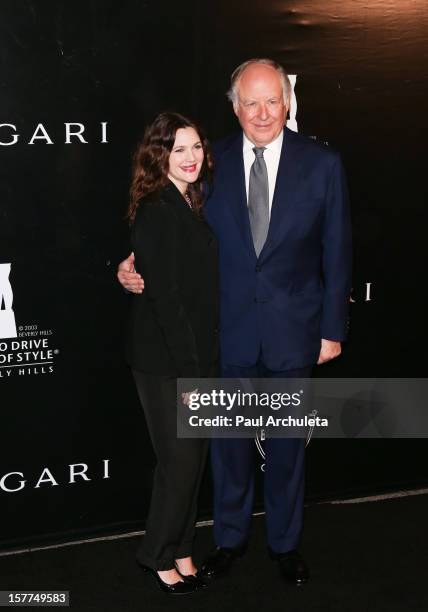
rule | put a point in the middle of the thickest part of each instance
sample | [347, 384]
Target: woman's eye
[179, 150]
[198, 146]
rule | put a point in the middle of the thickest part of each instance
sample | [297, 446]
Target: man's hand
[128, 277]
[187, 397]
[329, 350]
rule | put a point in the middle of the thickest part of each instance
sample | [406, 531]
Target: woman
[172, 330]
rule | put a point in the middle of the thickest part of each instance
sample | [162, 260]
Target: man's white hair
[232, 93]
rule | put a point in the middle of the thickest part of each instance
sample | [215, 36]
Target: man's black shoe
[219, 561]
[292, 566]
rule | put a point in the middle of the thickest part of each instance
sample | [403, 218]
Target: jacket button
[258, 268]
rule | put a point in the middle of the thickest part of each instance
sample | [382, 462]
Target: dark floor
[363, 558]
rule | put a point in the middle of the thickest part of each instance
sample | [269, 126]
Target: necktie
[258, 200]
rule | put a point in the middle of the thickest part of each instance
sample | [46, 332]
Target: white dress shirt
[271, 156]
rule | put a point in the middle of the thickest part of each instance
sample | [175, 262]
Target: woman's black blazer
[173, 324]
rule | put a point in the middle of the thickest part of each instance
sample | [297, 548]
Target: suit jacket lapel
[287, 180]
[235, 180]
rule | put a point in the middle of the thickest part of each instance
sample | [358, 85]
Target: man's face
[260, 108]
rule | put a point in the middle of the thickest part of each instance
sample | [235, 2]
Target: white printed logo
[292, 122]
[73, 133]
[25, 349]
[7, 316]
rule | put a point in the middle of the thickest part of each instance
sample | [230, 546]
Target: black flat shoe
[219, 561]
[178, 588]
[292, 567]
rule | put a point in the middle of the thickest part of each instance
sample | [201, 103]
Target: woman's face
[186, 158]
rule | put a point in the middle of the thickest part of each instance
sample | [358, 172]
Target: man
[279, 208]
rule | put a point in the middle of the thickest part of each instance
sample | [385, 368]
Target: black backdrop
[362, 72]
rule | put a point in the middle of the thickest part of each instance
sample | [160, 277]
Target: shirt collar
[274, 146]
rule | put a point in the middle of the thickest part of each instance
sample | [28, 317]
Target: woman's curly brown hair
[151, 161]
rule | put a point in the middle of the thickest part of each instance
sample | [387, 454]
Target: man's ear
[235, 108]
[287, 109]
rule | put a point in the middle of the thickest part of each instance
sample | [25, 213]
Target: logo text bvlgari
[74, 132]
[74, 473]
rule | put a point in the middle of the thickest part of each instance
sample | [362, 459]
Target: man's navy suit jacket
[297, 291]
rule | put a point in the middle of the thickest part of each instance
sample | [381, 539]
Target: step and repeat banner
[79, 82]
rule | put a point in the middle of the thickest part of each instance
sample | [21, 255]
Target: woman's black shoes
[183, 587]
[195, 579]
